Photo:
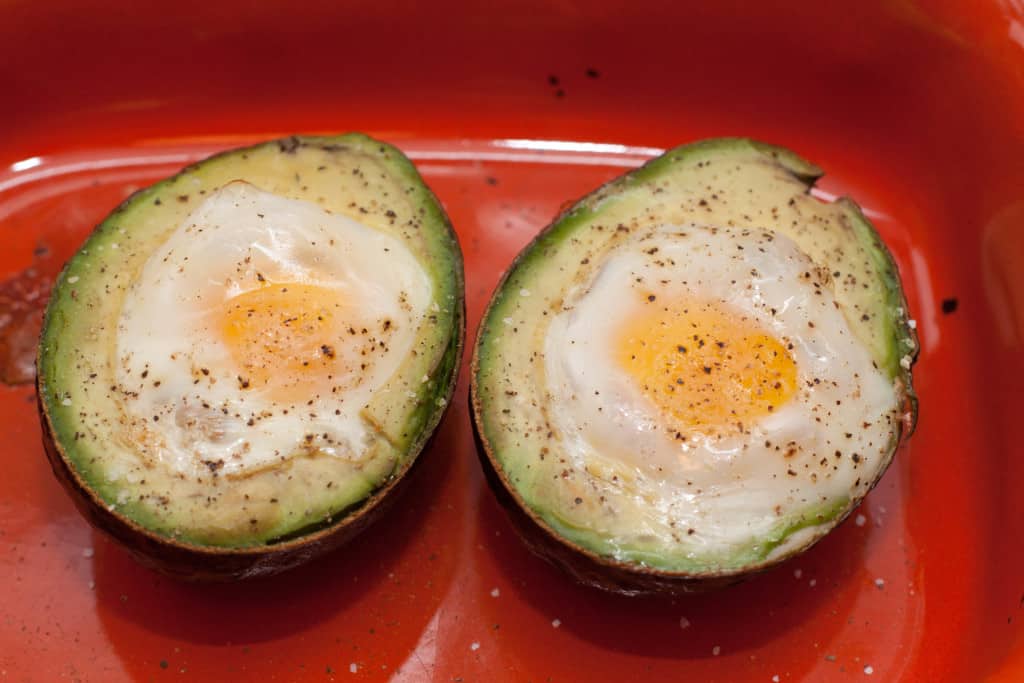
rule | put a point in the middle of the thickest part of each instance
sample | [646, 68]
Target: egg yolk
[285, 336]
[707, 369]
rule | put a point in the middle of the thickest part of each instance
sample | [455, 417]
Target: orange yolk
[706, 369]
[284, 337]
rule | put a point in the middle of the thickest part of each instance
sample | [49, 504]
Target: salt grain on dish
[556, 623]
[869, 670]
[860, 520]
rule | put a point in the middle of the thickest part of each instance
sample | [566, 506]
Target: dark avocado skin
[584, 566]
[199, 562]
[209, 563]
[634, 578]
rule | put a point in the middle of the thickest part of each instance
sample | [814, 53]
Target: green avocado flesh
[88, 404]
[733, 184]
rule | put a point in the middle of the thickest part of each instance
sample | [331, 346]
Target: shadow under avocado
[740, 617]
[272, 608]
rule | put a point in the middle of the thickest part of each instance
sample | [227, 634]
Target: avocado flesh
[724, 182]
[353, 175]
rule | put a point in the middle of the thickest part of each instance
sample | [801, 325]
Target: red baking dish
[510, 109]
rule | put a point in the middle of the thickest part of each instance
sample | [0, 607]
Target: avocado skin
[635, 578]
[599, 571]
[210, 563]
[584, 566]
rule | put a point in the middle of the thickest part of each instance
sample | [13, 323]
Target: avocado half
[738, 183]
[217, 527]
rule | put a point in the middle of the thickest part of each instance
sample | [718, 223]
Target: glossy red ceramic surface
[510, 109]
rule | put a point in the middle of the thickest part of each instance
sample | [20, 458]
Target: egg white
[238, 238]
[716, 493]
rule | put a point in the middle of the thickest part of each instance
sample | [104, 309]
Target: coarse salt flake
[474, 646]
[524, 292]
[869, 669]
[880, 583]
[495, 592]
[860, 520]
[775, 678]
[66, 402]
[73, 279]
[684, 622]
[507, 321]
[87, 552]
[353, 667]
[556, 622]
[716, 650]
[797, 573]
